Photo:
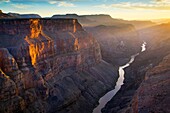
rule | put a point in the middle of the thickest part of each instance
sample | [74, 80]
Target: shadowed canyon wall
[50, 65]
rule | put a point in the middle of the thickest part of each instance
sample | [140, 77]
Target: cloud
[49, 1]
[161, 0]
[4, 0]
[158, 0]
[140, 5]
[65, 4]
[55, 1]
[62, 3]
[21, 6]
[52, 2]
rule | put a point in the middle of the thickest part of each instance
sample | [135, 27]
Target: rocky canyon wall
[145, 87]
[154, 92]
[50, 65]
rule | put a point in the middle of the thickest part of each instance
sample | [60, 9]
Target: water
[108, 96]
[143, 46]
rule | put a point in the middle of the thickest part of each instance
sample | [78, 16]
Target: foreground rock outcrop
[153, 95]
[49, 66]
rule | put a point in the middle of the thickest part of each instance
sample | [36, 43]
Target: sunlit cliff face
[3, 74]
[37, 51]
[35, 31]
[74, 23]
[33, 50]
[35, 28]
[38, 48]
[76, 44]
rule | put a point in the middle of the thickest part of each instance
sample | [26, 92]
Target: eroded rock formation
[50, 65]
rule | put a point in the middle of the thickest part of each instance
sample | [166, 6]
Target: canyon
[50, 65]
[58, 65]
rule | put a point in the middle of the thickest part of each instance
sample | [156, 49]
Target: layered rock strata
[50, 65]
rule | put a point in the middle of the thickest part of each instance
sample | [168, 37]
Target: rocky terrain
[153, 95]
[54, 65]
[45, 60]
[49, 66]
[145, 88]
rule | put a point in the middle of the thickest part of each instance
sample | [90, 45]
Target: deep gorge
[50, 65]
[109, 95]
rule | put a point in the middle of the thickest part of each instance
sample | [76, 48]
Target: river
[108, 96]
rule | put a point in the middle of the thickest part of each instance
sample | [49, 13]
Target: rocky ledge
[50, 65]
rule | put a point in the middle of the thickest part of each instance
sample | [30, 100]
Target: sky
[124, 9]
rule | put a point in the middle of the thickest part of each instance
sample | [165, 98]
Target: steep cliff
[50, 65]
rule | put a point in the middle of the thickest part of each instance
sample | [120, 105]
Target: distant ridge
[104, 19]
[3, 15]
[87, 20]
[24, 15]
